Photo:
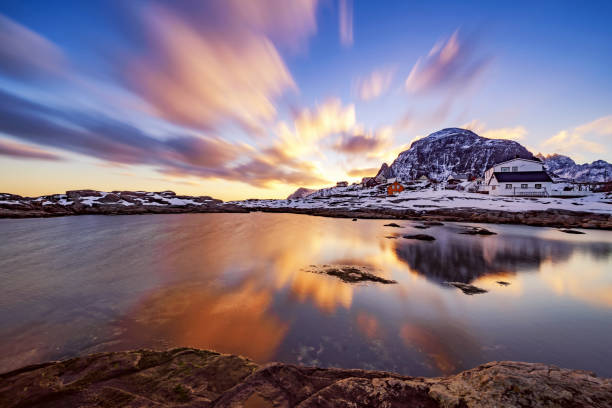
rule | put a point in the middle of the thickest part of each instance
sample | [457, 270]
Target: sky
[253, 99]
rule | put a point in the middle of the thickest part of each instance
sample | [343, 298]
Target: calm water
[233, 283]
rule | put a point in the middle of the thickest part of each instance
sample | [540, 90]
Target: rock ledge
[186, 377]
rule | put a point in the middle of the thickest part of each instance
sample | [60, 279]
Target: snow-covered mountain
[385, 172]
[301, 193]
[454, 150]
[565, 167]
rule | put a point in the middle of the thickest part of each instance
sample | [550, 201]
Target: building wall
[514, 165]
[499, 189]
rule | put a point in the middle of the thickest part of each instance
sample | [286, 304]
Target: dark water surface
[233, 283]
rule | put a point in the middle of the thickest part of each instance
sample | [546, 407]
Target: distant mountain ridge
[301, 193]
[564, 167]
[454, 150]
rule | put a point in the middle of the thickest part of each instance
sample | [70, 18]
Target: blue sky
[254, 99]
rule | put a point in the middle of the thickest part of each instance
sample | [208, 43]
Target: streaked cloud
[22, 151]
[311, 126]
[177, 154]
[452, 63]
[591, 137]
[370, 144]
[375, 84]
[25, 54]
[345, 23]
[208, 80]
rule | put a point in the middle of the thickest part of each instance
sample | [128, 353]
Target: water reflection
[235, 320]
[235, 283]
[457, 258]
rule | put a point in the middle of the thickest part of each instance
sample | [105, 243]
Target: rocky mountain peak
[454, 150]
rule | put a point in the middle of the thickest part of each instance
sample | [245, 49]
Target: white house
[518, 177]
[342, 184]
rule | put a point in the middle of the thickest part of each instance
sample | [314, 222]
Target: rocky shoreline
[83, 202]
[87, 202]
[556, 218]
[186, 377]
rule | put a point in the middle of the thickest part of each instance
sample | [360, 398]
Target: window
[538, 186]
[524, 185]
[508, 186]
[514, 168]
[493, 187]
[505, 169]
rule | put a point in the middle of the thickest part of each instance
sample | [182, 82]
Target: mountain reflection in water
[236, 283]
[455, 258]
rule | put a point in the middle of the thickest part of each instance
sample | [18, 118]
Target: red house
[394, 188]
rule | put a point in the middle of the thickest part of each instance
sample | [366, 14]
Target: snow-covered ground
[429, 199]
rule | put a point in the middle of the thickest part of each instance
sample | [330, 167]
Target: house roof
[517, 176]
[518, 158]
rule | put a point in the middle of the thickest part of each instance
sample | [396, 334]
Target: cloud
[365, 172]
[589, 138]
[26, 55]
[111, 140]
[209, 80]
[201, 66]
[450, 64]
[345, 14]
[599, 127]
[516, 133]
[21, 151]
[375, 84]
[371, 144]
[311, 126]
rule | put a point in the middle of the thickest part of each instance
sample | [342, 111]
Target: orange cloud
[511, 133]
[366, 172]
[206, 80]
[309, 127]
[591, 137]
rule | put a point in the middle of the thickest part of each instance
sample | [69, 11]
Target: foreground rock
[187, 377]
[80, 202]
[349, 273]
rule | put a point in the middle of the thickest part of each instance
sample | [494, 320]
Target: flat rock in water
[421, 237]
[478, 231]
[433, 223]
[467, 288]
[570, 231]
[421, 226]
[189, 377]
[392, 225]
[349, 273]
